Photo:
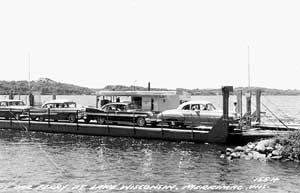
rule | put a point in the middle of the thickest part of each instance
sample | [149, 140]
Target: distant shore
[47, 86]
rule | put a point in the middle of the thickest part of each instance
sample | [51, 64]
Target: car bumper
[152, 120]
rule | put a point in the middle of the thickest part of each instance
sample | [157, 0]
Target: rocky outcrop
[264, 150]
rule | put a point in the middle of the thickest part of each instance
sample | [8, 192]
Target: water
[40, 162]
[33, 161]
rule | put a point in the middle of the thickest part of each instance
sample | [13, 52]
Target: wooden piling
[258, 96]
[248, 103]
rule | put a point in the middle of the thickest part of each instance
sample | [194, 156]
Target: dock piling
[258, 96]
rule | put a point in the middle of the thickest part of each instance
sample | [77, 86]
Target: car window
[210, 107]
[121, 107]
[186, 107]
[48, 106]
[70, 105]
[110, 108]
[3, 104]
[195, 107]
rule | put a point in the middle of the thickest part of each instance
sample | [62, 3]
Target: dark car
[15, 109]
[124, 113]
[58, 110]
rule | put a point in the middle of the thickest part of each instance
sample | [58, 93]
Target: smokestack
[148, 86]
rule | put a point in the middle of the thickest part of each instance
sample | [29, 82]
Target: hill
[44, 85]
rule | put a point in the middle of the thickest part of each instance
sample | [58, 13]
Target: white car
[59, 109]
[11, 108]
[193, 114]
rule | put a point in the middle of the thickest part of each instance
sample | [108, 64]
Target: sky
[170, 43]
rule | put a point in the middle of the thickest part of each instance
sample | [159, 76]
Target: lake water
[40, 162]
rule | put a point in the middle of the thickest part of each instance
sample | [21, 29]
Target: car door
[122, 115]
[189, 115]
[4, 110]
[110, 113]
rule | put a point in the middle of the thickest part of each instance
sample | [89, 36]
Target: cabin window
[137, 101]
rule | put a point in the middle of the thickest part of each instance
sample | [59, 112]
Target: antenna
[28, 63]
[249, 68]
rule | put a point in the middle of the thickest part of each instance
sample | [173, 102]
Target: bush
[291, 145]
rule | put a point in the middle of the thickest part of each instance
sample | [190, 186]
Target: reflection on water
[39, 158]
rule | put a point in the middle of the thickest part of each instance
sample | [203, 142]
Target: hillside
[44, 85]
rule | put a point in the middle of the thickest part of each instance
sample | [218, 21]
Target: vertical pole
[248, 100]
[29, 118]
[77, 120]
[10, 117]
[225, 92]
[49, 117]
[258, 95]
[240, 103]
[97, 102]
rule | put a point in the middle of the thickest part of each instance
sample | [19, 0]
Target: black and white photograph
[149, 96]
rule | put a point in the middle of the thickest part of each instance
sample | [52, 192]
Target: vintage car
[58, 110]
[125, 113]
[193, 114]
[15, 109]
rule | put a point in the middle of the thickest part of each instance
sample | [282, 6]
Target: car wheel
[72, 118]
[100, 120]
[141, 122]
[41, 118]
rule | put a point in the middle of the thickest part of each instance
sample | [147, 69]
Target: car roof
[194, 102]
[117, 103]
[59, 101]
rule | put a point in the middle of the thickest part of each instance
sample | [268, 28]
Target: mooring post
[225, 92]
[239, 96]
[97, 102]
[258, 95]
[248, 101]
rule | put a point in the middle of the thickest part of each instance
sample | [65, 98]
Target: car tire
[100, 120]
[41, 118]
[141, 122]
[72, 118]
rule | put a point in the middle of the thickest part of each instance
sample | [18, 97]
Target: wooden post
[248, 103]
[239, 103]
[225, 92]
[258, 95]
[97, 102]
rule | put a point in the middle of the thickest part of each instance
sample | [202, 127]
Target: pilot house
[145, 100]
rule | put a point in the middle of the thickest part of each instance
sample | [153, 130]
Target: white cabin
[145, 100]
